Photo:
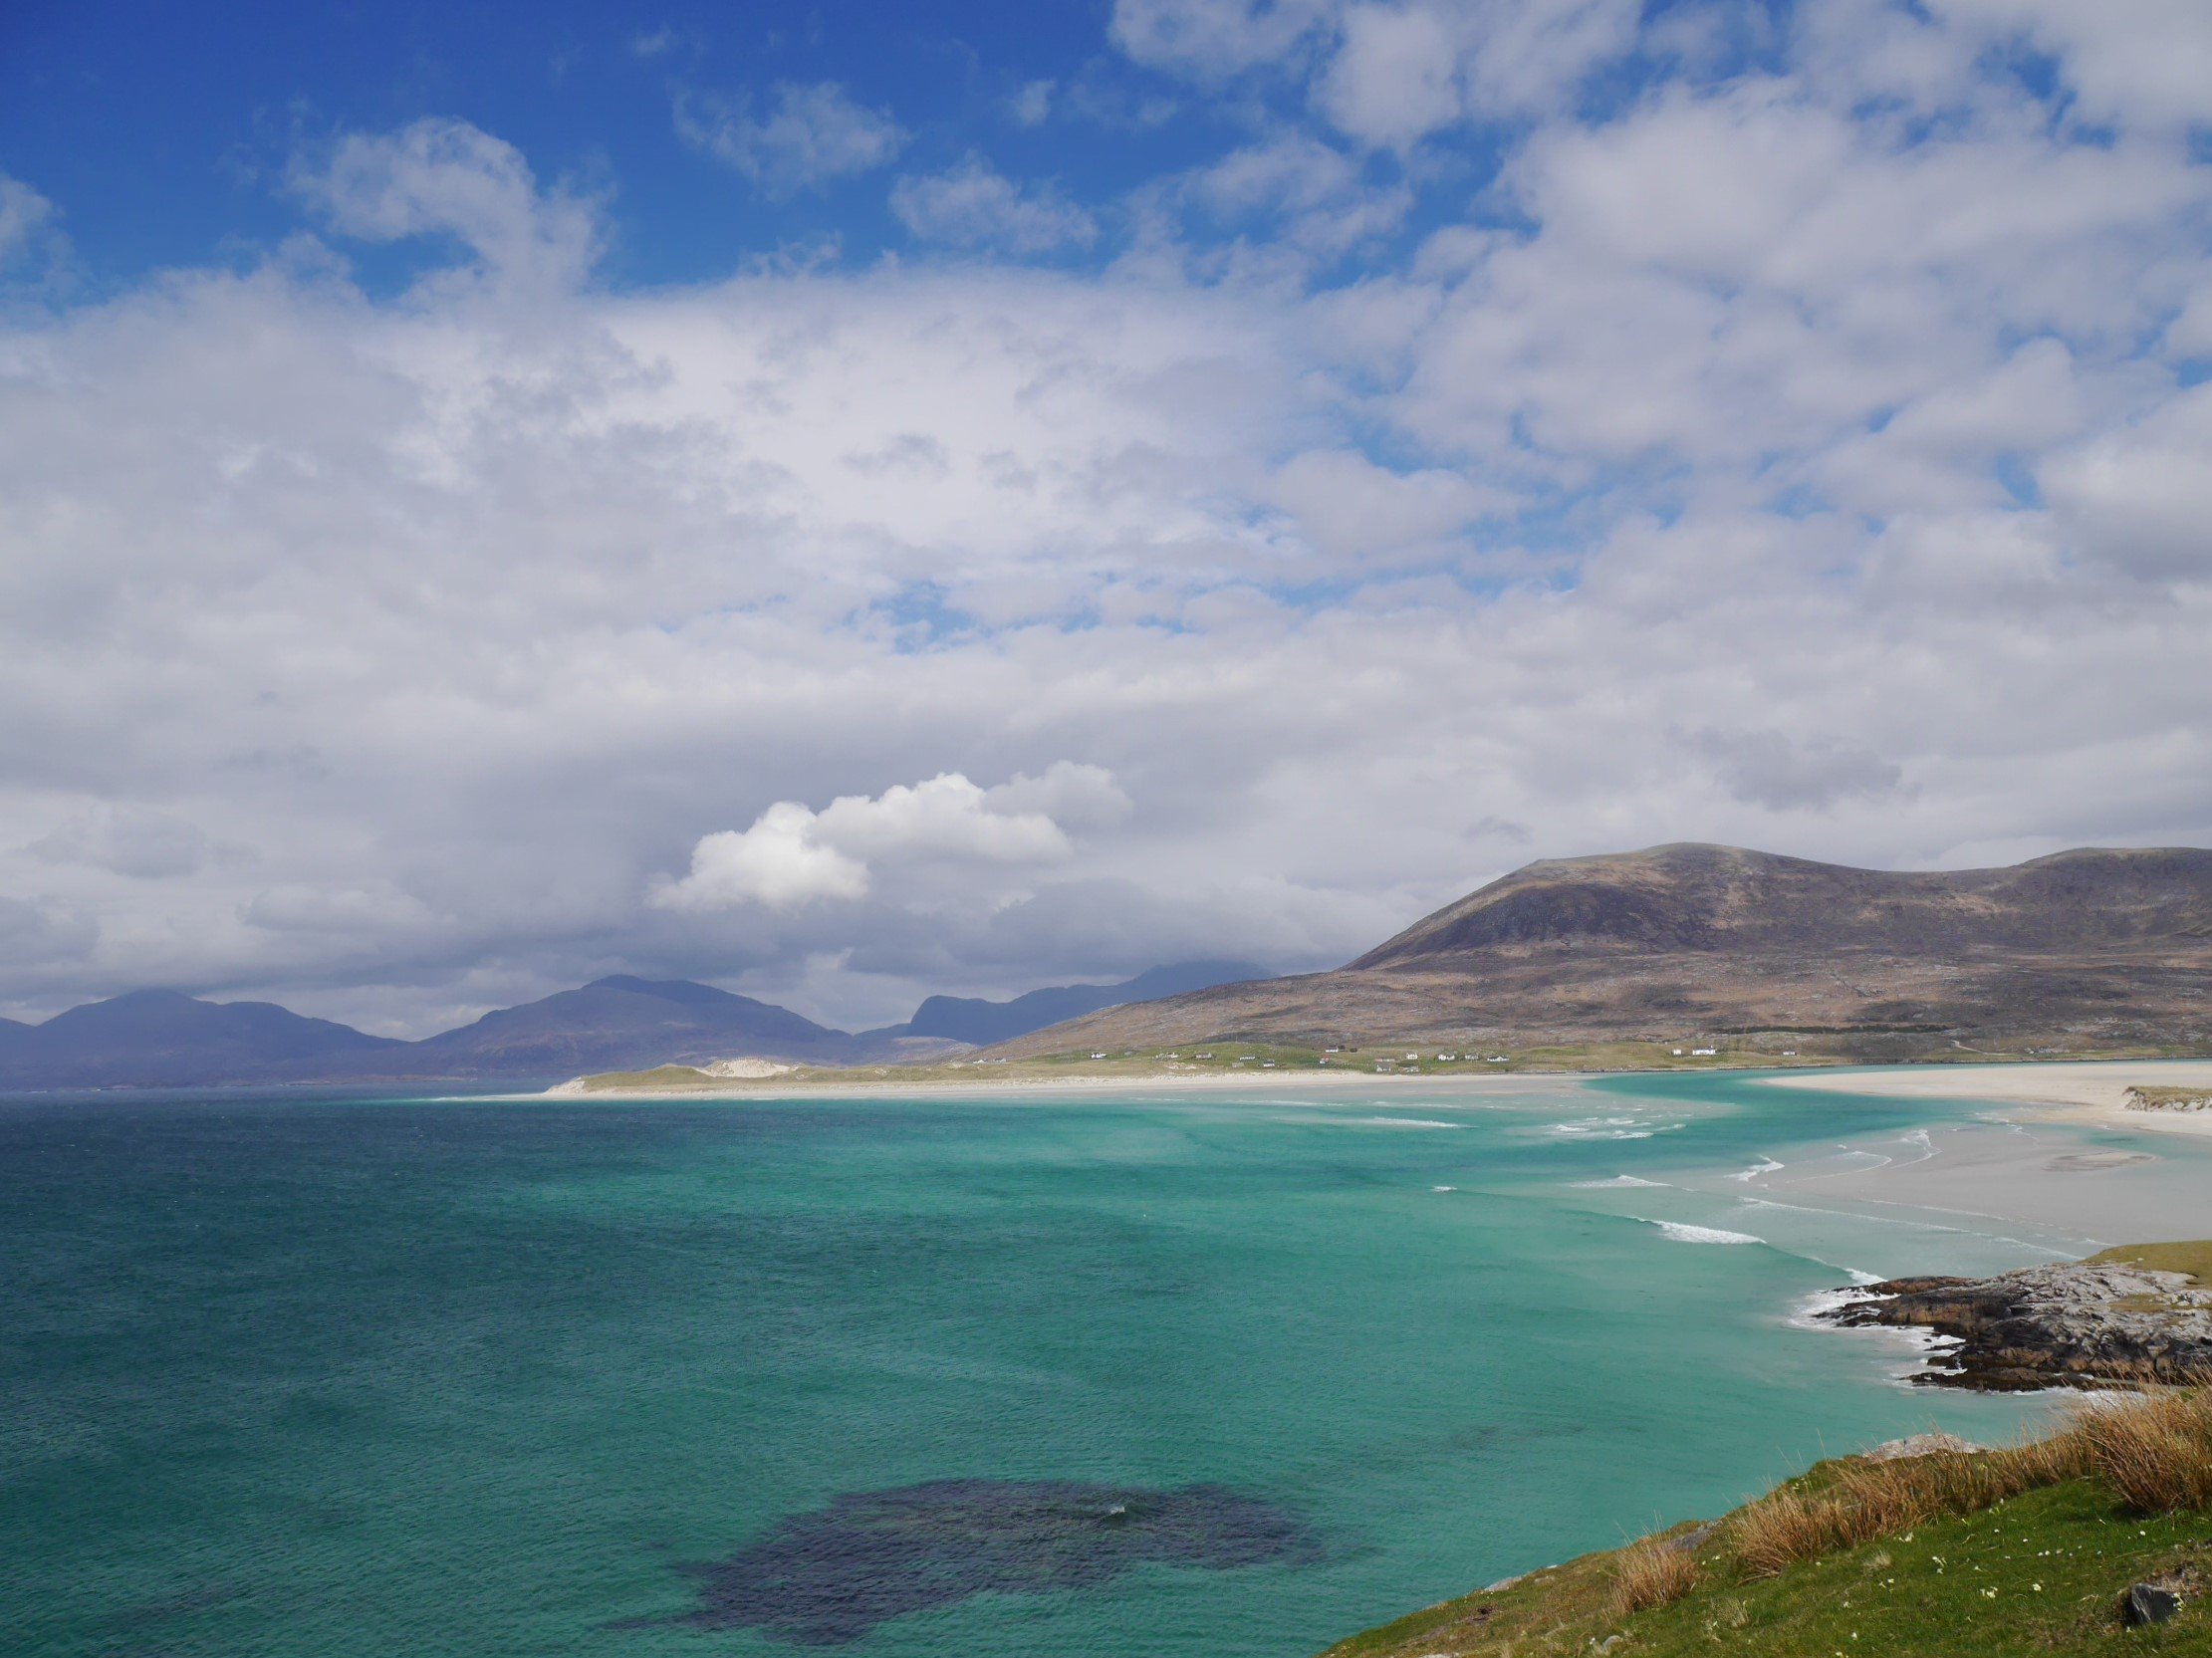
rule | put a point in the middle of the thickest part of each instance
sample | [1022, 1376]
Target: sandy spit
[2089, 1093]
[1320, 1083]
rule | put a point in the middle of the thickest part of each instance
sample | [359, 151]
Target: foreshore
[2092, 1093]
[885, 1084]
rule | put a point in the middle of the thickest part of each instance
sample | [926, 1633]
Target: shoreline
[1082, 1084]
[2087, 1093]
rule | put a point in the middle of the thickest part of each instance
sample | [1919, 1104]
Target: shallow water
[356, 1377]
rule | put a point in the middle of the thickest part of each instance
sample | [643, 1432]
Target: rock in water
[2078, 1321]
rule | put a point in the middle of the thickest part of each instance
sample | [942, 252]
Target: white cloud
[1316, 195]
[1396, 78]
[449, 177]
[1214, 37]
[2130, 61]
[1031, 102]
[1806, 460]
[811, 135]
[25, 218]
[792, 855]
[1346, 505]
[975, 206]
[777, 862]
[1391, 74]
[2139, 499]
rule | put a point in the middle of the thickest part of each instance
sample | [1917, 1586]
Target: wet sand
[2091, 1094]
[2055, 1152]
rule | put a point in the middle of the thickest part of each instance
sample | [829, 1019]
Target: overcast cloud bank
[1812, 450]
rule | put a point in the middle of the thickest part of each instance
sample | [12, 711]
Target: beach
[2055, 1152]
[2089, 1093]
[885, 1084]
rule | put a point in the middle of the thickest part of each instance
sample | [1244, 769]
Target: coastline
[884, 1086]
[2090, 1094]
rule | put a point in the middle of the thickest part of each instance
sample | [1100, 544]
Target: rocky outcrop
[2077, 1324]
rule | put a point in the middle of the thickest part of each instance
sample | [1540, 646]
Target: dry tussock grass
[1652, 1573]
[2154, 1450]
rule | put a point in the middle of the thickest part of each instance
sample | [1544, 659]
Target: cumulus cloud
[975, 206]
[810, 135]
[2129, 61]
[1806, 453]
[792, 855]
[1391, 74]
[451, 178]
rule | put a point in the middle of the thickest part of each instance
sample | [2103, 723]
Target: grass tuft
[2154, 1451]
[1651, 1572]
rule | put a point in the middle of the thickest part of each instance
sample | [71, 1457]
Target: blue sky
[165, 127]
[869, 501]
[169, 131]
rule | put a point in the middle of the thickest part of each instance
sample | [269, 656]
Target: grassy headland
[1973, 1553]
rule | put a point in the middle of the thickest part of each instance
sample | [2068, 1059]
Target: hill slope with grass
[2094, 951]
[2034, 1550]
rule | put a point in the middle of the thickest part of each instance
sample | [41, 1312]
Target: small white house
[1098, 1055]
[1703, 1053]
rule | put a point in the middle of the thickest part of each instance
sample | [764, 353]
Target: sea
[1019, 1377]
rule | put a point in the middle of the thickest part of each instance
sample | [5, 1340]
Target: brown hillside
[2088, 950]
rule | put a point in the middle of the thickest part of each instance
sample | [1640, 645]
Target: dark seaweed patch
[830, 1576]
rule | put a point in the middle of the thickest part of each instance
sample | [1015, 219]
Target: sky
[848, 502]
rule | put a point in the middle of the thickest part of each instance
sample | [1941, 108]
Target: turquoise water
[339, 1377]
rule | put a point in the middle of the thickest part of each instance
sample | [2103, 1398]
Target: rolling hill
[2092, 950]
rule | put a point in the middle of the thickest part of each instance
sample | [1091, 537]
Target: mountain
[969, 1019]
[2088, 950]
[163, 1036]
[616, 1023]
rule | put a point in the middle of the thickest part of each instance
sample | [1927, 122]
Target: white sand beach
[885, 1084]
[2027, 1159]
[2092, 1093]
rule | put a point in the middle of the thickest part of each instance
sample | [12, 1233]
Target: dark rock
[2147, 1603]
[2073, 1323]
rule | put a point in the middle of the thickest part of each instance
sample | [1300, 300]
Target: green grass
[2195, 1258]
[1968, 1587]
[2038, 1574]
[1989, 1555]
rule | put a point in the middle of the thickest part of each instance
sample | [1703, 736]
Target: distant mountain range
[161, 1038]
[2093, 950]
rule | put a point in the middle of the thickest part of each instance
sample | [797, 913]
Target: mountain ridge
[2100, 947]
[164, 1038]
